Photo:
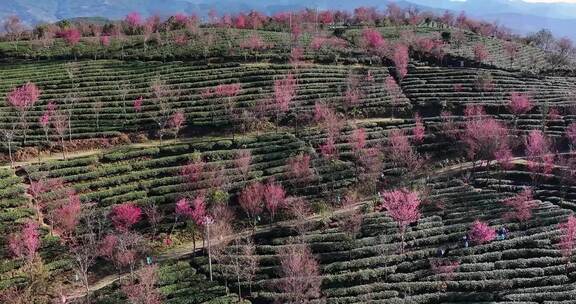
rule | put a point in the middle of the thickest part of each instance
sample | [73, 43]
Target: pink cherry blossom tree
[480, 53]
[370, 162]
[125, 215]
[154, 217]
[66, 217]
[319, 43]
[539, 153]
[298, 168]
[22, 99]
[483, 136]
[481, 233]
[328, 120]
[85, 241]
[519, 104]
[299, 209]
[251, 200]
[402, 206]
[216, 176]
[520, 206]
[448, 125]
[176, 121]
[26, 242]
[474, 112]
[122, 248]
[503, 156]
[44, 122]
[163, 95]
[192, 172]
[326, 17]
[194, 211]
[228, 93]
[401, 58]
[143, 290]
[418, 131]
[240, 21]
[254, 44]
[353, 94]
[296, 57]
[183, 208]
[401, 152]
[358, 140]
[393, 91]
[133, 22]
[38, 190]
[274, 198]
[328, 149]
[107, 246]
[105, 41]
[148, 28]
[60, 127]
[284, 94]
[300, 278]
[179, 21]
[71, 36]
[373, 42]
[199, 210]
[351, 223]
[242, 161]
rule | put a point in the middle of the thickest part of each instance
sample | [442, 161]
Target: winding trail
[187, 249]
[147, 144]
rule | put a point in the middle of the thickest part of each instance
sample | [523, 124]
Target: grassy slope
[530, 269]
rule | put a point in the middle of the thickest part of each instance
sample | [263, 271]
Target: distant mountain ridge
[519, 16]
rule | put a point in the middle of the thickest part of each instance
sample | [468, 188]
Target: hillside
[522, 17]
[366, 159]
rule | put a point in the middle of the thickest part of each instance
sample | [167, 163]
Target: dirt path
[148, 144]
[85, 153]
[468, 165]
[154, 143]
[187, 249]
[172, 254]
[380, 119]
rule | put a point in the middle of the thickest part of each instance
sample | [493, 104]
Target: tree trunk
[209, 254]
[47, 138]
[70, 127]
[63, 147]
[10, 153]
[194, 242]
[24, 126]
